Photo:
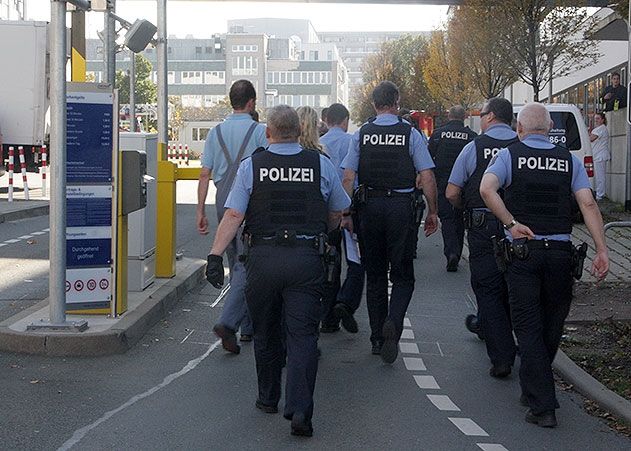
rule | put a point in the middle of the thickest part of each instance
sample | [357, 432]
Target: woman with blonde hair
[309, 136]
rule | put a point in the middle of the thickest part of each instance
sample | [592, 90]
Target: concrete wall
[616, 169]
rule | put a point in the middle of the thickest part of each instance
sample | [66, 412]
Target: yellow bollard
[166, 219]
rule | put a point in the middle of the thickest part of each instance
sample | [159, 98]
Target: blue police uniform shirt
[330, 185]
[233, 130]
[335, 143]
[502, 168]
[418, 148]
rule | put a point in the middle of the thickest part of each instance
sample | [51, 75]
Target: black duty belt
[553, 245]
[387, 193]
[276, 240]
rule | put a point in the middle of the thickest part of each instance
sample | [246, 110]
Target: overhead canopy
[609, 28]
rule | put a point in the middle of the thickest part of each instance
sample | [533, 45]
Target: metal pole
[627, 197]
[550, 82]
[163, 101]
[57, 284]
[109, 44]
[132, 92]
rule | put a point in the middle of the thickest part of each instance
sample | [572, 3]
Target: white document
[352, 247]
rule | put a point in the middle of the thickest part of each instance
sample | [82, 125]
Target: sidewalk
[37, 205]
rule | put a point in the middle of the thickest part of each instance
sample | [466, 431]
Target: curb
[117, 340]
[33, 212]
[588, 386]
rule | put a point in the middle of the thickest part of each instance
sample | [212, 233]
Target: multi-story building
[355, 46]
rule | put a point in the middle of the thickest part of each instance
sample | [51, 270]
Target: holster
[519, 249]
[474, 219]
[246, 238]
[578, 260]
[359, 197]
[332, 260]
[418, 207]
[503, 252]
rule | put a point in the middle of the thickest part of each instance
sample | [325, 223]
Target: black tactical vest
[540, 193]
[451, 139]
[286, 195]
[485, 149]
[384, 156]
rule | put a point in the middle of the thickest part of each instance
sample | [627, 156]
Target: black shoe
[390, 347]
[228, 338]
[376, 348]
[452, 263]
[546, 419]
[301, 426]
[265, 408]
[245, 337]
[344, 314]
[473, 326]
[329, 328]
[500, 371]
[523, 400]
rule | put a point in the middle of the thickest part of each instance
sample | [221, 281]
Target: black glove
[335, 237]
[214, 270]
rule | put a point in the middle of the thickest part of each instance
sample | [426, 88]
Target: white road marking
[491, 447]
[470, 301]
[440, 350]
[46, 230]
[25, 237]
[468, 427]
[426, 382]
[414, 364]
[79, 434]
[221, 296]
[408, 348]
[199, 343]
[406, 322]
[2, 244]
[442, 402]
[407, 334]
[38, 233]
[188, 335]
[12, 241]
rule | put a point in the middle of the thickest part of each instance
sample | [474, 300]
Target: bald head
[456, 113]
[533, 118]
[283, 124]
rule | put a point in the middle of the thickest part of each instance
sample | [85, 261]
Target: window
[214, 77]
[169, 50]
[329, 55]
[299, 78]
[565, 131]
[198, 50]
[245, 48]
[208, 49]
[200, 133]
[191, 78]
[313, 55]
[245, 65]
[170, 77]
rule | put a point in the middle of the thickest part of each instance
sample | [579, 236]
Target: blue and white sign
[89, 212]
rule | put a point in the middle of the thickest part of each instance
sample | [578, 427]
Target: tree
[486, 61]
[545, 40]
[445, 72]
[400, 61]
[146, 90]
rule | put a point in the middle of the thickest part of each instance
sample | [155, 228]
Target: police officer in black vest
[390, 158]
[539, 179]
[444, 146]
[289, 198]
[487, 281]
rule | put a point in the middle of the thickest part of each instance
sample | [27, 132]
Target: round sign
[104, 284]
[78, 285]
[91, 284]
[68, 286]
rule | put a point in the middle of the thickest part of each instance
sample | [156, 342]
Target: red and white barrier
[186, 154]
[171, 151]
[23, 170]
[11, 170]
[180, 154]
[44, 169]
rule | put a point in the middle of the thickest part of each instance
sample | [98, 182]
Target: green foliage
[146, 91]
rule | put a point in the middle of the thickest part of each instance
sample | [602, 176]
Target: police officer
[288, 197]
[539, 179]
[390, 159]
[346, 298]
[487, 281]
[444, 146]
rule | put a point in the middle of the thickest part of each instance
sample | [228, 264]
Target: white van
[570, 131]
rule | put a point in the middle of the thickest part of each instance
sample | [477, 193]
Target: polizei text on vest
[544, 164]
[384, 140]
[286, 174]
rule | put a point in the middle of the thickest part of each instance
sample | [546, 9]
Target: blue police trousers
[283, 291]
[451, 226]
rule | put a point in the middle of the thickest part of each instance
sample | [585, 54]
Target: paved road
[176, 389]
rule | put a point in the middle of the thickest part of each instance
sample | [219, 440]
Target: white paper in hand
[352, 247]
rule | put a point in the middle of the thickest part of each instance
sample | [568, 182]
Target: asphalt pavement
[177, 389]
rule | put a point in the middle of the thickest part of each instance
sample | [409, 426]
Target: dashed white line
[443, 402]
[407, 334]
[491, 447]
[414, 364]
[408, 348]
[188, 335]
[440, 350]
[406, 322]
[46, 230]
[38, 233]
[2, 244]
[11, 241]
[426, 382]
[468, 427]
[25, 237]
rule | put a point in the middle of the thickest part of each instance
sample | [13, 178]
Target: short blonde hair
[309, 136]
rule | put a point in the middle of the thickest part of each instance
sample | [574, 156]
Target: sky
[202, 19]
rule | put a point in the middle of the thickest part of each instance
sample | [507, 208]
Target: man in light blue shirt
[226, 145]
[538, 179]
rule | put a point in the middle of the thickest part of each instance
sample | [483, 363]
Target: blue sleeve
[209, 155]
[239, 196]
[579, 175]
[259, 136]
[351, 160]
[500, 165]
[331, 186]
[464, 165]
[418, 151]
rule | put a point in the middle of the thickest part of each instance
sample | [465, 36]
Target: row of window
[199, 101]
[200, 133]
[245, 48]
[245, 65]
[298, 78]
[299, 100]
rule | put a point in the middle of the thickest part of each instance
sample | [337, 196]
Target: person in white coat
[599, 137]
